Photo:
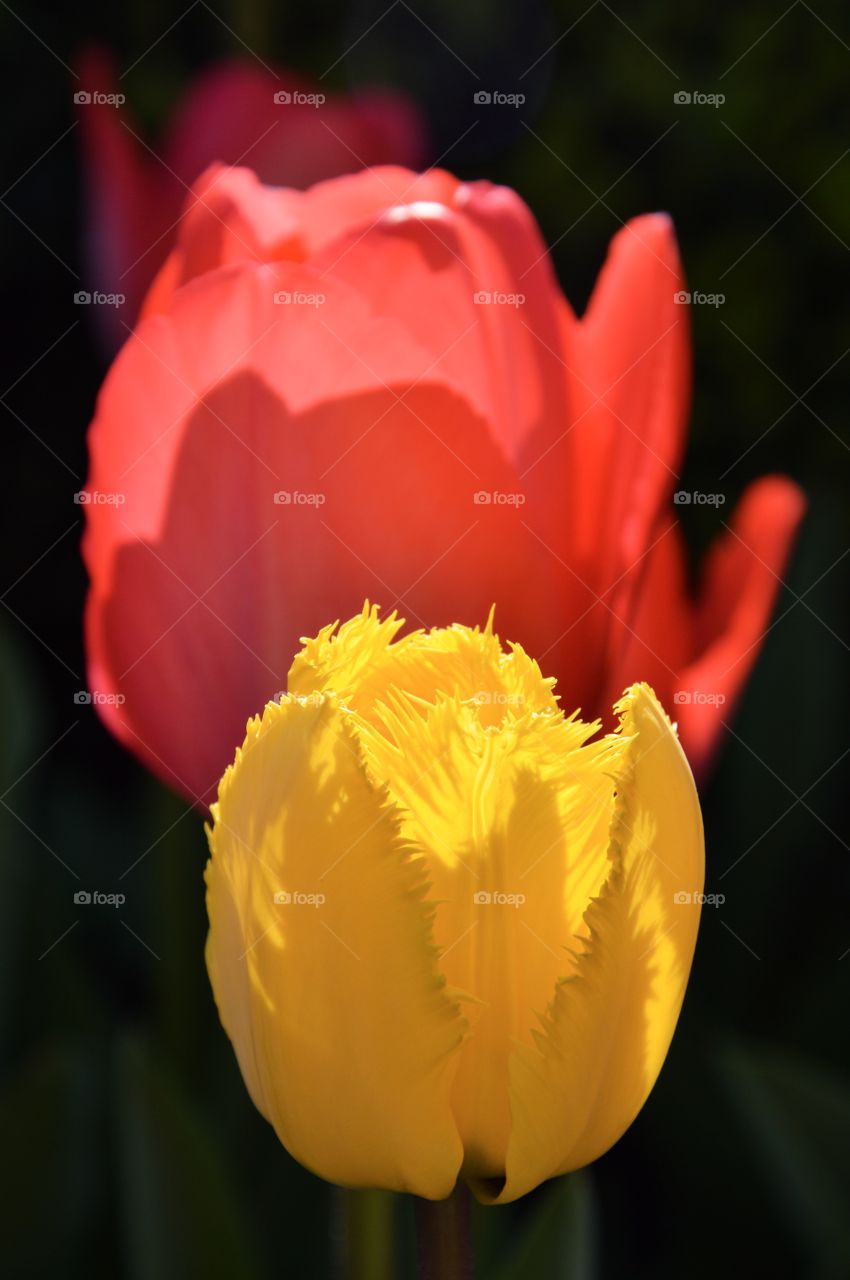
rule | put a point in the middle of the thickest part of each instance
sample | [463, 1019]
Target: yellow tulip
[450, 927]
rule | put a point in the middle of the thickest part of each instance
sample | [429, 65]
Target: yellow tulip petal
[515, 823]
[344, 1030]
[609, 1026]
[362, 659]
[469, 844]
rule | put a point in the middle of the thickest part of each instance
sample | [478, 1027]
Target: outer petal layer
[512, 807]
[598, 478]
[343, 1030]
[741, 580]
[231, 216]
[202, 583]
[462, 266]
[609, 1027]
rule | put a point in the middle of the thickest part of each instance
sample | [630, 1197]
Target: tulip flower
[450, 926]
[376, 389]
[292, 132]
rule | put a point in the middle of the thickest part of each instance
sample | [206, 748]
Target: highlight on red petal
[424, 261]
[230, 216]
[740, 583]
[509, 253]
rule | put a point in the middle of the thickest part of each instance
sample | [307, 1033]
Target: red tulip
[419, 356]
[135, 193]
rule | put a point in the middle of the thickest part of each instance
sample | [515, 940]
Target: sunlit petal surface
[497, 914]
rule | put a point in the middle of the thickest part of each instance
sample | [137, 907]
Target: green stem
[368, 1233]
[443, 1232]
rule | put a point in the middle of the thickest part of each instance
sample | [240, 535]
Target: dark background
[129, 1144]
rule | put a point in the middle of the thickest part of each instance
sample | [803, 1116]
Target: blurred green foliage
[131, 1146]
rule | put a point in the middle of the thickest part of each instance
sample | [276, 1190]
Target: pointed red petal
[741, 579]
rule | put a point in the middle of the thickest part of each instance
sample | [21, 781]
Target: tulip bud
[450, 926]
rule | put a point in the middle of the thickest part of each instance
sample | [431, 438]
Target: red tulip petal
[631, 395]
[741, 579]
[231, 116]
[231, 216]
[657, 638]
[393, 129]
[472, 282]
[329, 209]
[227, 115]
[209, 411]
[602, 478]
[509, 256]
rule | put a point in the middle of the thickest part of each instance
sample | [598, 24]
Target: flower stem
[443, 1233]
[368, 1234]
